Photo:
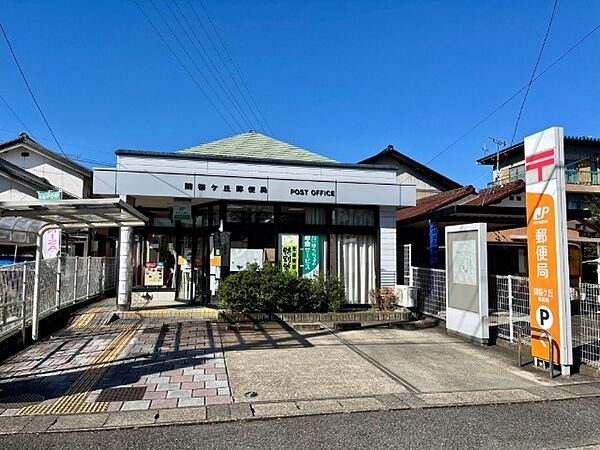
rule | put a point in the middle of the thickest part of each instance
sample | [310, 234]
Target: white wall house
[56, 170]
[408, 171]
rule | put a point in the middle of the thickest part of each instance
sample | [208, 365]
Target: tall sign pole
[547, 246]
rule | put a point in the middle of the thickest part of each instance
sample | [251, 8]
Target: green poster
[289, 253]
[310, 256]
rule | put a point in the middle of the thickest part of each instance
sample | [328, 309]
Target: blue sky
[344, 79]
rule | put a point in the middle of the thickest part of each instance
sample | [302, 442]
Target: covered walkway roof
[79, 213]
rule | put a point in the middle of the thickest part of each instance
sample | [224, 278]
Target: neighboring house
[408, 171]
[582, 169]
[26, 168]
[17, 184]
[57, 170]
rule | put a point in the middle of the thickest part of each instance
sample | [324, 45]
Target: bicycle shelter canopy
[69, 214]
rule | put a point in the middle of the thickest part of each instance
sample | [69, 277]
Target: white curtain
[355, 263]
[314, 216]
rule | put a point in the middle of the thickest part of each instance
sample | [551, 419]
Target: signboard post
[467, 282]
[547, 246]
[52, 238]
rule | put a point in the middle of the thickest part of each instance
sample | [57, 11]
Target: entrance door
[201, 273]
[185, 288]
[192, 273]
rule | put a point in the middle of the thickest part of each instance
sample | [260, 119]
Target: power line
[229, 72]
[239, 73]
[29, 89]
[537, 62]
[512, 97]
[16, 116]
[206, 80]
[183, 66]
[207, 60]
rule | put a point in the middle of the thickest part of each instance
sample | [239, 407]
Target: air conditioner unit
[406, 296]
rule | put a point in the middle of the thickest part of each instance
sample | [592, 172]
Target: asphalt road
[561, 424]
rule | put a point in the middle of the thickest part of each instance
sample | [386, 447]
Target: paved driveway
[280, 363]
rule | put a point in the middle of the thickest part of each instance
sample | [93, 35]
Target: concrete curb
[274, 410]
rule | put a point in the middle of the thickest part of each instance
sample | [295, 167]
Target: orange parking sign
[547, 246]
[543, 274]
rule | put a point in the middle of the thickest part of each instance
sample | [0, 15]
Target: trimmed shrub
[271, 290]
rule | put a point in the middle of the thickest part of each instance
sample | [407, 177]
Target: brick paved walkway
[133, 363]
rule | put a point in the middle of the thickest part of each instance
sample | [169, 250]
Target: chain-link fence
[431, 291]
[63, 282]
[508, 305]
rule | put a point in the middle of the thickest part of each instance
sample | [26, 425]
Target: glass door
[183, 271]
[201, 271]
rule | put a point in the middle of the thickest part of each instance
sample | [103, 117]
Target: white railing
[508, 305]
[586, 323]
[431, 290]
[63, 282]
[509, 310]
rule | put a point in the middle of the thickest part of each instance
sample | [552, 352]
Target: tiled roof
[496, 193]
[433, 202]
[401, 158]
[255, 145]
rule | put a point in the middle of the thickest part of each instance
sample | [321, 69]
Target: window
[302, 215]
[250, 213]
[154, 260]
[354, 259]
[354, 216]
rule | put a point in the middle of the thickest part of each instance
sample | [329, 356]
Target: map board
[466, 281]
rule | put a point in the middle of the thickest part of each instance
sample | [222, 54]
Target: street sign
[50, 195]
[547, 244]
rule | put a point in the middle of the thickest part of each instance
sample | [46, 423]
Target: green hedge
[271, 290]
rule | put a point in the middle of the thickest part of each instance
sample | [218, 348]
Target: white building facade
[250, 198]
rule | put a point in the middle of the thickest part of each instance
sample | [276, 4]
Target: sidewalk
[160, 367]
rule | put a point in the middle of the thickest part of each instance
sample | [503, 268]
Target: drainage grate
[125, 394]
[20, 400]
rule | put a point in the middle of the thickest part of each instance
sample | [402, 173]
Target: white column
[125, 274]
[387, 246]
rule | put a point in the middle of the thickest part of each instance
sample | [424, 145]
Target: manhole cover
[20, 400]
[126, 394]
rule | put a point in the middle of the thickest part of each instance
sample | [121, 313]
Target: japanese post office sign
[547, 245]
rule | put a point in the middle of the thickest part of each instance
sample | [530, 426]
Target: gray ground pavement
[553, 425]
[271, 371]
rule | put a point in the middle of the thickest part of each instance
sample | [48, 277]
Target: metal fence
[585, 323]
[63, 281]
[508, 302]
[431, 291]
[509, 309]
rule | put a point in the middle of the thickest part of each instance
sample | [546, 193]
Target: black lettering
[544, 315]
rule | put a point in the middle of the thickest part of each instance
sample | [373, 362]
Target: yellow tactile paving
[204, 312]
[73, 402]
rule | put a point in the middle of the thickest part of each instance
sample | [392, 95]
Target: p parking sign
[547, 245]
